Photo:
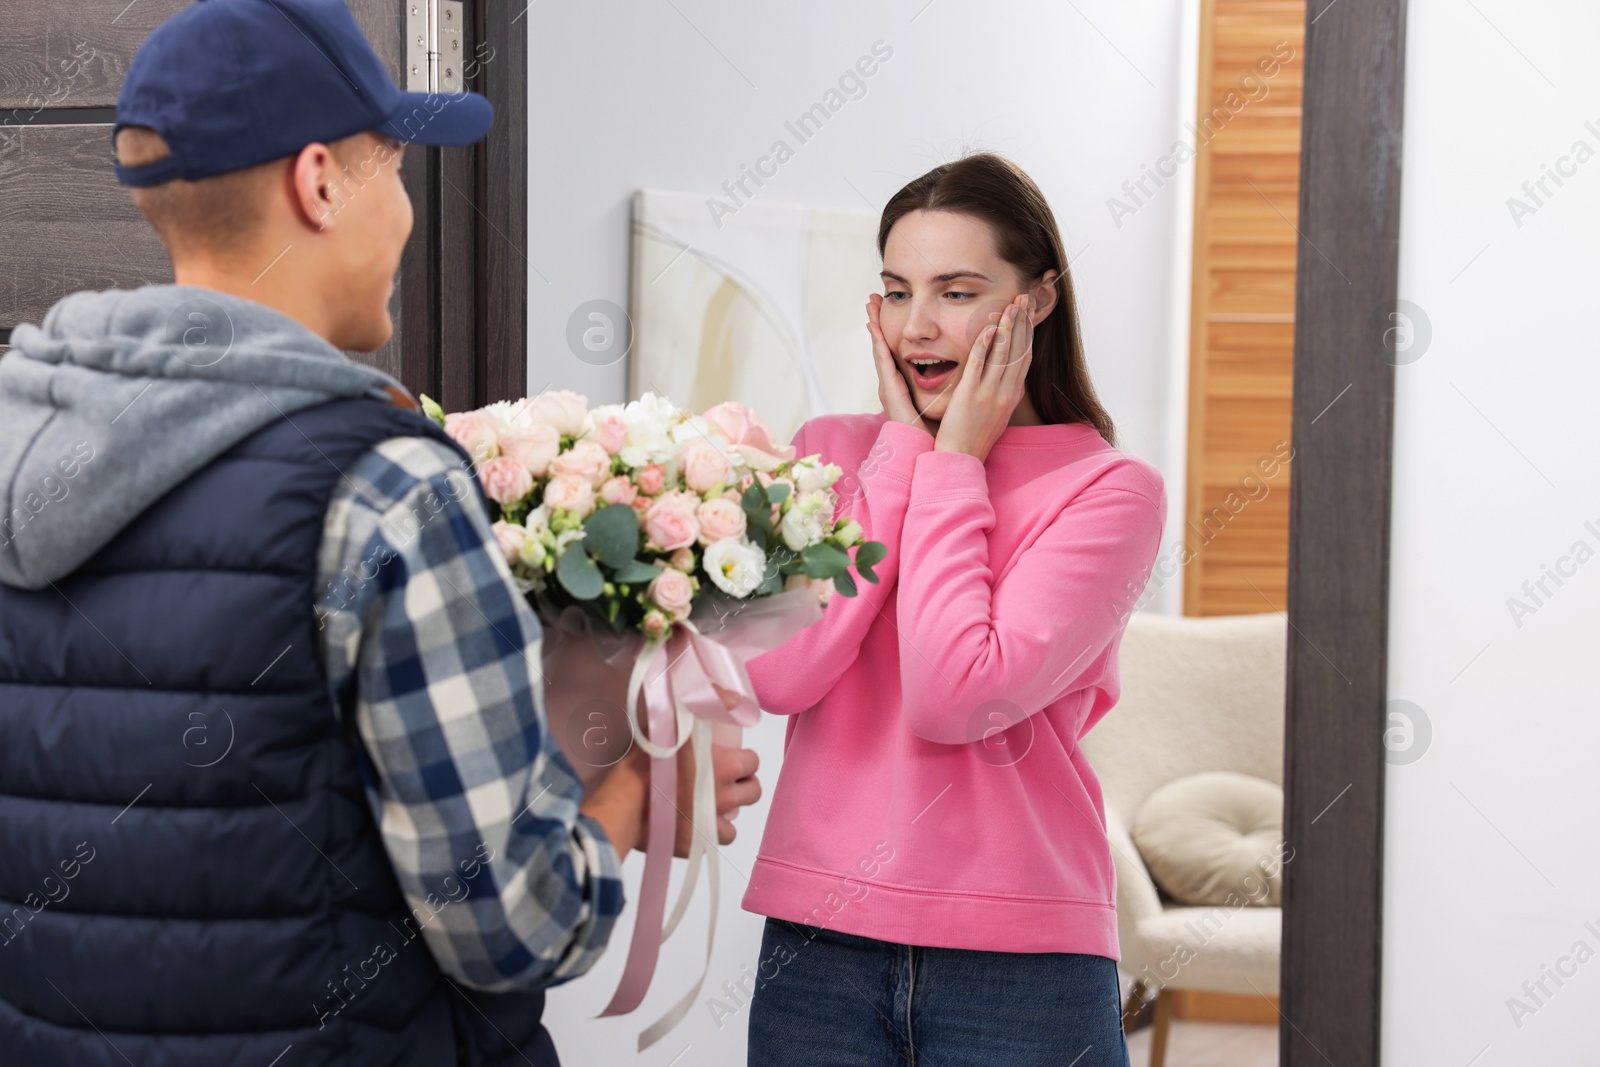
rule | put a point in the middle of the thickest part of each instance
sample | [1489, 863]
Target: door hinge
[434, 50]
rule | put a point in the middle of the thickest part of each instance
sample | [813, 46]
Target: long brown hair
[992, 188]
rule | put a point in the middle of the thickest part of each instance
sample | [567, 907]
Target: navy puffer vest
[189, 871]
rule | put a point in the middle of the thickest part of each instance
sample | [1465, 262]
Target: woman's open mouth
[930, 373]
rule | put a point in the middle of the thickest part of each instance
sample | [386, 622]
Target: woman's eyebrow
[940, 278]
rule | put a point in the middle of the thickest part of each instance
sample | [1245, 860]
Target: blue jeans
[840, 1000]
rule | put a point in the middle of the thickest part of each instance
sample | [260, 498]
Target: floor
[1192, 1044]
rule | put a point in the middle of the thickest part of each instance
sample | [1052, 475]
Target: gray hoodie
[121, 395]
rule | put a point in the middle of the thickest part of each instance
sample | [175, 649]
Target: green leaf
[867, 572]
[578, 574]
[870, 552]
[825, 561]
[754, 497]
[637, 572]
[777, 493]
[757, 516]
[611, 534]
[844, 584]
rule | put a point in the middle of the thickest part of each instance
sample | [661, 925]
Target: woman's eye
[958, 297]
[894, 297]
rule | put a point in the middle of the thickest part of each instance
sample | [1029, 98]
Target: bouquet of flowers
[662, 550]
[631, 512]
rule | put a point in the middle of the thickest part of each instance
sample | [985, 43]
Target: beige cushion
[1214, 838]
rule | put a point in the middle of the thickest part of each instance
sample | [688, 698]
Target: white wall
[1491, 873]
[679, 95]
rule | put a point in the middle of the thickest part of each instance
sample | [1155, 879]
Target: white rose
[735, 567]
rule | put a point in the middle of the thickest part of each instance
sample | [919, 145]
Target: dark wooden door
[66, 224]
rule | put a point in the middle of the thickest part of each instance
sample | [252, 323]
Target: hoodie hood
[119, 396]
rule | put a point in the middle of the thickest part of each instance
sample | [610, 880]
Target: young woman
[935, 867]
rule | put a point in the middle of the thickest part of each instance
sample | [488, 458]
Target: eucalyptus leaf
[824, 560]
[777, 493]
[637, 572]
[611, 534]
[844, 584]
[870, 552]
[578, 574]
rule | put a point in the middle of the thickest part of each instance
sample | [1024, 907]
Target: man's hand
[734, 771]
[620, 803]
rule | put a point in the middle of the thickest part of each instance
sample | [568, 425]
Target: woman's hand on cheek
[991, 384]
[893, 393]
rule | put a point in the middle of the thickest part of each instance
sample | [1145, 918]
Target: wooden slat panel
[67, 224]
[1242, 334]
[72, 54]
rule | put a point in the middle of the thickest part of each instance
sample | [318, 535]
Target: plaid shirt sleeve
[430, 647]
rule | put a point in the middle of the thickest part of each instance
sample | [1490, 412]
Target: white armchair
[1198, 694]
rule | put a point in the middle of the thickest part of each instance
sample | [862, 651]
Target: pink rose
[682, 498]
[720, 519]
[476, 432]
[585, 460]
[560, 408]
[670, 525]
[673, 593]
[750, 434]
[505, 480]
[683, 559]
[733, 495]
[569, 494]
[510, 536]
[703, 466]
[656, 624]
[640, 505]
[611, 433]
[618, 490]
[534, 446]
[651, 479]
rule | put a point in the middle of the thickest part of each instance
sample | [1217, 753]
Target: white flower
[565, 538]
[649, 420]
[809, 475]
[735, 567]
[808, 520]
[537, 521]
[696, 428]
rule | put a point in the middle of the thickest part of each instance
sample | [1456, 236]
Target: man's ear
[1045, 294]
[311, 180]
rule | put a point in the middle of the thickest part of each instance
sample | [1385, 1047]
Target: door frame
[1346, 289]
[465, 273]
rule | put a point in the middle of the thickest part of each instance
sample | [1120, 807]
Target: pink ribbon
[695, 689]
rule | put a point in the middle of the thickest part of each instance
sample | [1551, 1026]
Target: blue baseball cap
[229, 84]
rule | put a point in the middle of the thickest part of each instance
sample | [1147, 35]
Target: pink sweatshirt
[932, 791]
